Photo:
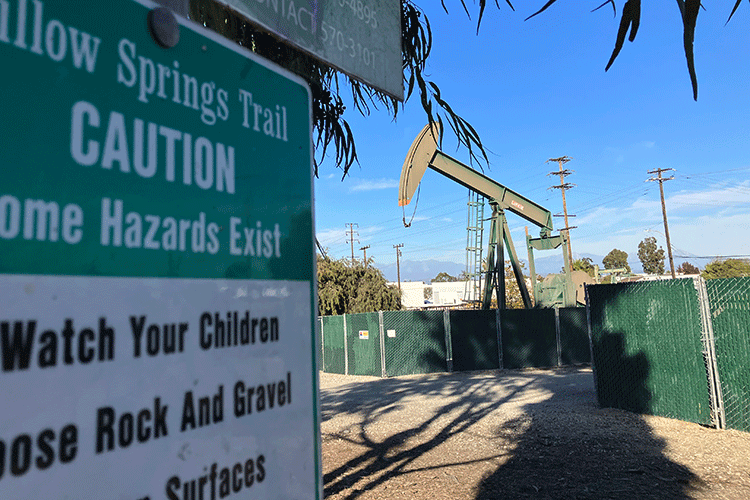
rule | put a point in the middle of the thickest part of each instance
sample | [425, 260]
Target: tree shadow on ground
[392, 454]
[576, 453]
[557, 444]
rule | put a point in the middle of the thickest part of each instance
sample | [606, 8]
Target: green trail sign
[157, 293]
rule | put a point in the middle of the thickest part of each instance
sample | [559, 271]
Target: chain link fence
[674, 348]
[529, 338]
[332, 344]
[363, 347]
[391, 343]
[474, 337]
[647, 349]
[573, 346]
[729, 301]
[414, 342]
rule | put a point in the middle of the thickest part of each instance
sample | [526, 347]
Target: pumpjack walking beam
[425, 153]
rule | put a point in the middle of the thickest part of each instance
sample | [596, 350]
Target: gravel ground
[514, 434]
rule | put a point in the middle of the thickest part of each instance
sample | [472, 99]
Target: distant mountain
[553, 264]
[425, 270]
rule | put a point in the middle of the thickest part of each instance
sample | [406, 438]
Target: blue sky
[536, 90]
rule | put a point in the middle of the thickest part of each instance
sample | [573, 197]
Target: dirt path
[514, 434]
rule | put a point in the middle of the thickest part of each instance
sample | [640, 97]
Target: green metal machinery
[424, 153]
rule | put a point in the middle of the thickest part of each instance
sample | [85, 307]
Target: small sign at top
[362, 38]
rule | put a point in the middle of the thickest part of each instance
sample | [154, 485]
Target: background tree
[651, 257]
[616, 259]
[687, 268]
[729, 268]
[513, 299]
[584, 264]
[346, 288]
[328, 85]
[443, 278]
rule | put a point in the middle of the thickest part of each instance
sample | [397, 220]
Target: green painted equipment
[424, 153]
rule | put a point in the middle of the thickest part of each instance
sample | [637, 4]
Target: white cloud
[374, 184]
[717, 196]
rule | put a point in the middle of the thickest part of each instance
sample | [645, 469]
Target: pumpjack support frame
[424, 153]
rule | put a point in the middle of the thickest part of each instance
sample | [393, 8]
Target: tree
[326, 83]
[616, 259]
[584, 264]
[687, 268]
[513, 298]
[443, 277]
[651, 258]
[346, 288]
[729, 268]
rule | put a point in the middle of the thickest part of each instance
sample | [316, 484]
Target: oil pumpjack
[557, 290]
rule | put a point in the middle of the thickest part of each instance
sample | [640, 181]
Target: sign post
[157, 282]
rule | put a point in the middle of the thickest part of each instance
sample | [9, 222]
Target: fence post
[591, 337]
[382, 345]
[557, 336]
[709, 355]
[346, 350]
[448, 340]
[499, 332]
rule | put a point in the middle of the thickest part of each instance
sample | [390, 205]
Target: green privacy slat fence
[474, 340]
[653, 345]
[333, 344]
[574, 339]
[729, 300]
[363, 344]
[646, 340]
[414, 342]
[528, 337]
[418, 341]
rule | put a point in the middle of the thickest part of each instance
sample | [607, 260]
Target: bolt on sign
[157, 285]
[362, 38]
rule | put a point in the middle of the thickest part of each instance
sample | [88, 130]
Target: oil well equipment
[556, 290]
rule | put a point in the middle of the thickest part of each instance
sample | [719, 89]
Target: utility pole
[661, 181]
[562, 187]
[364, 249]
[398, 263]
[351, 231]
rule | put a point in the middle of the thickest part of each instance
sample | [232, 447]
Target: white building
[412, 294]
[445, 294]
